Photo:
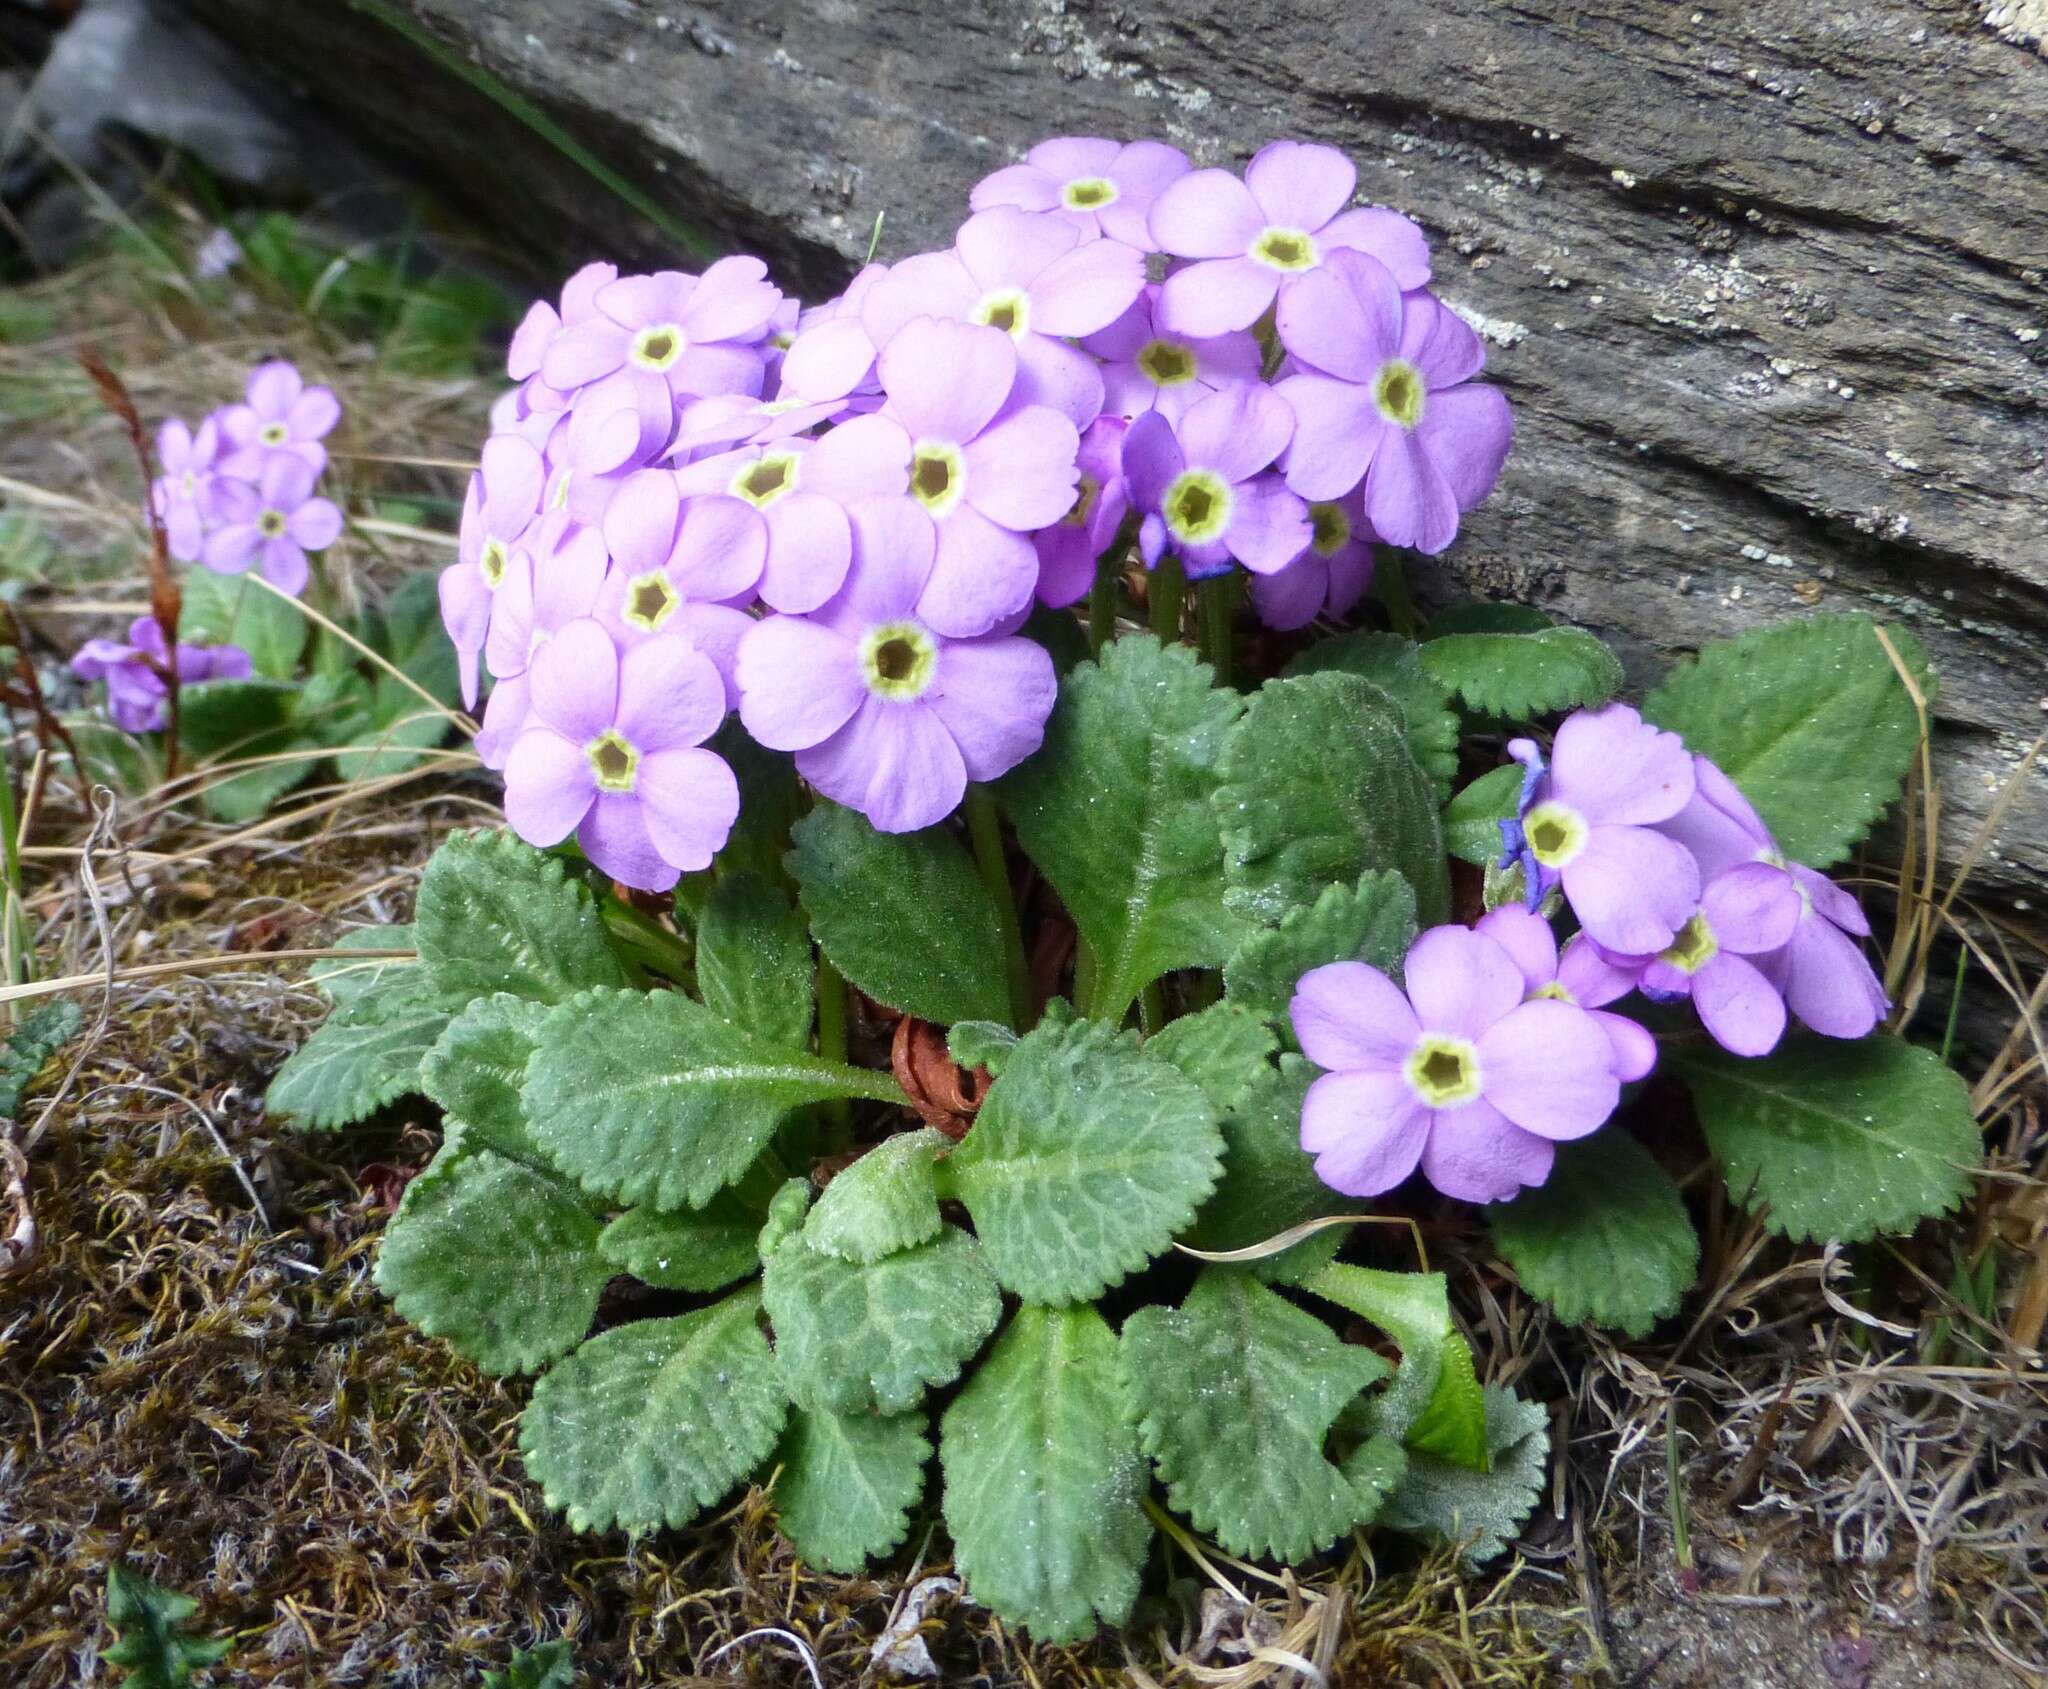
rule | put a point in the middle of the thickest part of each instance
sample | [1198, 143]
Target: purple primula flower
[832, 355]
[1100, 187]
[886, 713]
[1033, 278]
[1581, 976]
[502, 503]
[799, 487]
[614, 428]
[1586, 821]
[1069, 549]
[183, 494]
[1203, 486]
[136, 690]
[553, 576]
[1146, 369]
[282, 415]
[611, 753]
[988, 470]
[272, 524]
[1820, 970]
[1461, 1074]
[1262, 237]
[680, 567]
[692, 335]
[1395, 407]
[543, 324]
[1329, 578]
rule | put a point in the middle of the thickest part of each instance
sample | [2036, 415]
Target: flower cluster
[239, 492]
[848, 511]
[1498, 1045]
[136, 673]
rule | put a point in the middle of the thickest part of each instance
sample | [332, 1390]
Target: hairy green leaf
[1842, 1140]
[367, 1054]
[1224, 1048]
[1453, 1426]
[903, 915]
[886, 1201]
[1374, 1470]
[1318, 786]
[700, 1249]
[236, 610]
[1235, 1393]
[1472, 819]
[343, 981]
[1415, 1310]
[854, 1338]
[1523, 675]
[494, 1257]
[649, 1097]
[228, 722]
[1480, 1511]
[754, 964]
[771, 799]
[1605, 1238]
[1486, 618]
[848, 1484]
[1044, 1481]
[155, 1650]
[980, 1043]
[42, 1030]
[1086, 1158]
[495, 914]
[1810, 719]
[1395, 666]
[1372, 921]
[648, 1424]
[1117, 810]
[477, 1066]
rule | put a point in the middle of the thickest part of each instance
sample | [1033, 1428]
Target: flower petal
[1337, 432]
[1343, 318]
[1635, 1050]
[614, 836]
[1549, 1067]
[1611, 765]
[1396, 241]
[1237, 432]
[1827, 981]
[981, 574]
[1269, 526]
[1752, 908]
[549, 785]
[1467, 432]
[1632, 889]
[1477, 1154]
[1300, 185]
[688, 803]
[721, 548]
[894, 762]
[1350, 1015]
[1216, 295]
[947, 380]
[1366, 1131]
[1460, 981]
[1087, 289]
[1021, 473]
[799, 683]
[994, 696]
[1206, 214]
[575, 681]
[1739, 1005]
[1058, 376]
[1528, 938]
[670, 695]
[810, 546]
[640, 521]
[1407, 499]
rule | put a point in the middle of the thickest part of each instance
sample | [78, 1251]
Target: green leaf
[229, 721]
[550, 1666]
[1318, 786]
[1809, 719]
[648, 1424]
[368, 1054]
[1487, 618]
[1472, 819]
[771, 799]
[1269, 1182]
[649, 1097]
[903, 915]
[1520, 676]
[1116, 809]
[477, 1066]
[494, 1257]
[981, 1043]
[886, 1201]
[494, 914]
[754, 962]
[1453, 1426]
[155, 1650]
[236, 610]
[1044, 1481]
[1374, 1470]
[1605, 1238]
[853, 1338]
[848, 1484]
[1395, 666]
[1843, 1140]
[1412, 1308]
[1224, 1048]
[1086, 1158]
[1235, 1393]
[383, 729]
[412, 637]
[1372, 921]
[701, 1249]
[343, 981]
[129, 763]
[37, 1036]
[1482, 1511]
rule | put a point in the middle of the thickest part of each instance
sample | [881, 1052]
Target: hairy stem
[985, 832]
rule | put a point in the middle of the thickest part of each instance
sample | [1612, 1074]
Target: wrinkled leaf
[1372, 921]
[494, 914]
[848, 1484]
[1395, 666]
[754, 964]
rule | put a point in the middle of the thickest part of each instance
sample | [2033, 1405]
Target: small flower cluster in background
[135, 672]
[851, 509]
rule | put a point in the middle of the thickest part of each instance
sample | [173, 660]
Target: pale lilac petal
[1717, 823]
[1065, 157]
[721, 548]
[863, 455]
[1459, 981]
[232, 548]
[981, 574]
[313, 414]
[1344, 318]
[283, 564]
[829, 361]
[286, 481]
[1269, 526]
[640, 521]
[718, 368]
[994, 696]
[514, 479]
[1592, 979]
[895, 544]
[1739, 1006]
[1549, 1067]
[1337, 432]
[1751, 909]
[1152, 459]
[1477, 1154]
[273, 389]
[1291, 597]
[688, 803]
[575, 681]
[1635, 1050]
[1087, 289]
[670, 695]
[1827, 981]
[933, 284]
[315, 525]
[1467, 432]
[645, 301]
[1393, 239]
[1366, 1131]
[1611, 765]
[716, 630]
[1216, 295]
[614, 835]
[1632, 889]
[1439, 342]
[1005, 247]
[1830, 900]
[799, 683]
[1300, 185]
[1407, 499]
[1527, 937]
[549, 785]
[894, 762]
[1349, 1015]
[1021, 473]
[730, 307]
[1026, 185]
[505, 718]
[947, 380]
[1207, 214]
[530, 341]
[585, 353]
[810, 546]
[1236, 432]
[1060, 377]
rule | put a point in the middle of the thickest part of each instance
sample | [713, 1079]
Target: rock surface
[1763, 278]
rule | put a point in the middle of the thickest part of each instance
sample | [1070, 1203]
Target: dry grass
[196, 1373]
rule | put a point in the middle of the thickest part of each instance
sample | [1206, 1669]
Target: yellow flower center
[1166, 363]
[658, 347]
[1007, 309]
[1286, 249]
[492, 563]
[1197, 506]
[1330, 529]
[1553, 992]
[938, 475]
[1443, 1071]
[1556, 833]
[650, 601]
[898, 660]
[1399, 390]
[1084, 503]
[273, 434]
[1088, 193]
[613, 760]
[1694, 947]
[768, 478]
[271, 524]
